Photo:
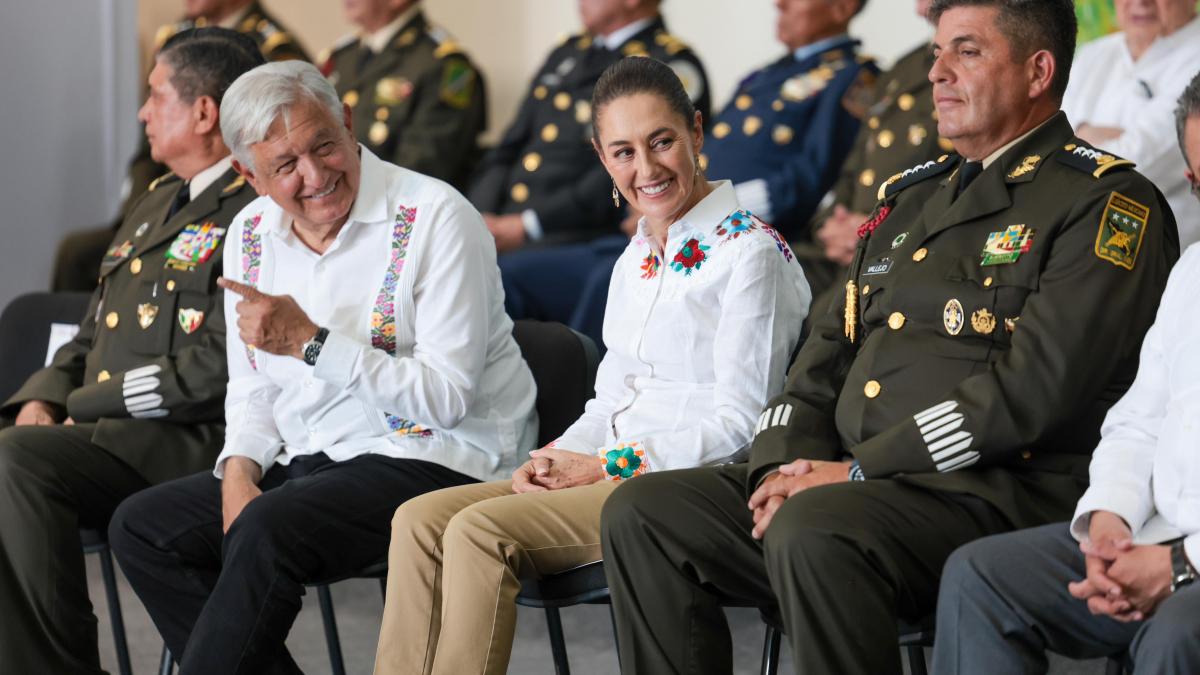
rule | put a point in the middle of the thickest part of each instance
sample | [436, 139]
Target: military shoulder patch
[1090, 160]
[447, 48]
[458, 83]
[859, 97]
[1121, 230]
[915, 175]
[165, 178]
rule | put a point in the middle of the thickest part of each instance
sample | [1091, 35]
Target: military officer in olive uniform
[787, 130]
[137, 396]
[542, 183]
[78, 256]
[418, 101]
[955, 391]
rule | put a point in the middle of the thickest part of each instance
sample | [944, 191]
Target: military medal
[194, 246]
[118, 252]
[378, 133]
[190, 320]
[952, 316]
[141, 229]
[983, 321]
[1005, 247]
[392, 90]
[146, 313]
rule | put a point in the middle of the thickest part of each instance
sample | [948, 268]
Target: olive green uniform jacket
[420, 103]
[984, 379]
[148, 364]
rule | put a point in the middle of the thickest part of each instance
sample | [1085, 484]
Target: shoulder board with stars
[165, 178]
[915, 175]
[1090, 160]
[670, 43]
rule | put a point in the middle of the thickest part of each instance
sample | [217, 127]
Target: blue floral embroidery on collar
[738, 223]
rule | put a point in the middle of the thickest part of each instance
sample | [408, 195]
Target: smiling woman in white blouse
[705, 308]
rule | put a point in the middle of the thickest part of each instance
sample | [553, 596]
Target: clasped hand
[791, 478]
[554, 469]
[272, 323]
[1124, 581]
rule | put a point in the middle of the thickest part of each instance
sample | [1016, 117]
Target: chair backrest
[25, 333]
[564, 365]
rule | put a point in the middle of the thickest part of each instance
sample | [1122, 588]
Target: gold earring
[616, 196]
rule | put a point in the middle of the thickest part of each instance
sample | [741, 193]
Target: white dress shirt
[1147, 466]
[699, 339]
[1108, 88]
[420, 361]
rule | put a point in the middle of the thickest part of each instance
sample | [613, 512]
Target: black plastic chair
[563, 363]
[581, 585]
[24, 338]
[913, 641]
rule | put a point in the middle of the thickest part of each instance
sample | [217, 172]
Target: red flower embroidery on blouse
[689, 257]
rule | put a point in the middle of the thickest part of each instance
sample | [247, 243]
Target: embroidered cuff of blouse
[533, 224]
[624, 461]
[1114, 499]
[337, 359]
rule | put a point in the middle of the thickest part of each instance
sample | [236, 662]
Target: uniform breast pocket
[193, 302]
[151, 332]
[994, 295]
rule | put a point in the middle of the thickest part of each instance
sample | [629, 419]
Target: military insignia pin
[141, 229]
[899, 240]
[118, 252]
[953, 317]
[392, 90]
[983, 321]
[146, 313]
[1006, 246]
[1028, 164]
[458, 84]
[1121, 229]
[190, 320]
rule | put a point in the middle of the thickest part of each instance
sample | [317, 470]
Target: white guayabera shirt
[699, 338]
[420, 361]
[1147, 466]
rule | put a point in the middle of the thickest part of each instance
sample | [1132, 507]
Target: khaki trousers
[454, 568]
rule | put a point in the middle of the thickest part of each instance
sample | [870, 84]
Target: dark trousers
[224, 602]
[1004, 602]
[53, 481]
[838, 565]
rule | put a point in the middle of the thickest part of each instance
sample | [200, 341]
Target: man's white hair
[260, 96]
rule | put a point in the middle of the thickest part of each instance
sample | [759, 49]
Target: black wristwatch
[312, 348]
[1182, 572]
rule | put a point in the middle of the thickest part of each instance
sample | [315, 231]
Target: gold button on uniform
[987, 283]
[103, 376]
[1027, 455]
[777, 105]
[946, 144]
[583, 112]
[782, 134]
[112, 320]
[919, 254]
[350, 98]
[886, 138]
[743, 102]
[562, 100]
[382, 114]
[378, 133]
[550, 133]
[135, 266]
[906, 102]
[171, 285]
[520, 192]
[867, 177]
[872, 389]
[896, 321]
[917, 134]
[751, 125]
[866, 289]
[873, 123]
[532, 161]
[540, 91]
[721, 130]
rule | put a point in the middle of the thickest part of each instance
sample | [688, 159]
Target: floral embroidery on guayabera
[737, 224]
[383, 316]
[650, 266]
[625, 461]
[251, 263]
[779, 242]
[690, 256]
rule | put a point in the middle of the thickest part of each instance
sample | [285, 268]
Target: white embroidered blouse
[420, 361]
[699, 339]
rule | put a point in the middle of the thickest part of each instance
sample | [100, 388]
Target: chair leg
[383, 588]
[165, 665]
[558, 643]
[108, 573]
[336, 665]
[915, 655]
[771, 644]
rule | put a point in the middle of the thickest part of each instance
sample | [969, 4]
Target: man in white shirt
[1119, 577]
[1123, 90]
[372, 362]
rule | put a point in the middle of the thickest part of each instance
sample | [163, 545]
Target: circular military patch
[953, 316]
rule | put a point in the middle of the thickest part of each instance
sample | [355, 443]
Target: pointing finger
[245, 290]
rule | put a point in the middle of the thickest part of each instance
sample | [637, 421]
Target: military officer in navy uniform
[900, 131]
[542, 183]
[955, 391]
[781, 139]
[137, 396]
[78, 256]
[417, 99]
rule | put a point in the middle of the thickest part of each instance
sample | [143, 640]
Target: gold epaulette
[161, 179]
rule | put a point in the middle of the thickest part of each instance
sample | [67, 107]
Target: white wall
[68, 127]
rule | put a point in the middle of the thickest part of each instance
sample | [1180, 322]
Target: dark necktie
[181, 200]
[969, 172]
[364, 58]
